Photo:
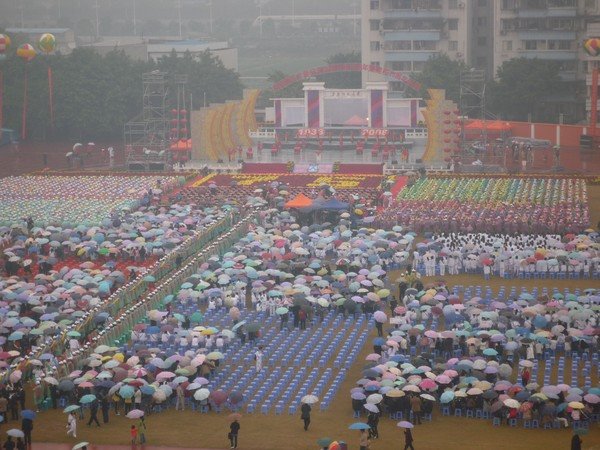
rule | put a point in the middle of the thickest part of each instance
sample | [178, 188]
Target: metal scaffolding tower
[146, 136]
[472, 97]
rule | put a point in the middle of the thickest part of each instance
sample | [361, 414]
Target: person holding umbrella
[576, 442]
[305, 416]
[142, 430]
[71, 425]
[365, 442]
[234, 430]
[373, 422]
[93, 414]
[408, 439]
[27, 426]
[9, 444]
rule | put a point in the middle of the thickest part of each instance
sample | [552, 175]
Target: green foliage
[95, 95]
[441, 72]
[342, 80]
[521, 86]
[292, 91]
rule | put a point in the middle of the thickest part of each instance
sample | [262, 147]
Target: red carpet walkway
[400, 184]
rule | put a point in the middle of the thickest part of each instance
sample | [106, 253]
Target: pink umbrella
[451, 373]
[380, 316]
[165, 375]
[373, 357]
[443, 379]
[218, 397]
[428, 384]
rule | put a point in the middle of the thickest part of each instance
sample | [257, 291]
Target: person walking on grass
[71, 425]
[365, 442]
[234, 430]
[133, 432]
[408, 439]
[142, 430]
[305, 409]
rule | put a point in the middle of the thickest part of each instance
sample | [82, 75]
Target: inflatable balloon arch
[27, 52]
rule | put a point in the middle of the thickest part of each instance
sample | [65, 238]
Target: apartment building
[403, 34]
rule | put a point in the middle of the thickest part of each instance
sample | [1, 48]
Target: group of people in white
[507, 255]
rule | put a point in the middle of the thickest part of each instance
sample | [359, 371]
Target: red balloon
[174, 112]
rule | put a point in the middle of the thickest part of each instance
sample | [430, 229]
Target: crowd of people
[508, 256]
[434, 346]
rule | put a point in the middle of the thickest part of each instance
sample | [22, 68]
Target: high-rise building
[402, 35]
[551, 30]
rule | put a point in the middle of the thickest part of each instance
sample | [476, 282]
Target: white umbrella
[201, 394]
[310, 399]
[14, 432]
[374, 398]
[80, 445]
[371, 407]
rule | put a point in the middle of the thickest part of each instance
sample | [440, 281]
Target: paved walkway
[51, 446]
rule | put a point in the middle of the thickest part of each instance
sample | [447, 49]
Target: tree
[441, 72]
[95, 95]
[343, 80]
[292, 91]
[521, 87]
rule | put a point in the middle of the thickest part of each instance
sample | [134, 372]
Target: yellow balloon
[47, 43]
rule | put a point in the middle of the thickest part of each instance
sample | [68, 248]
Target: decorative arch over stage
[347, 67]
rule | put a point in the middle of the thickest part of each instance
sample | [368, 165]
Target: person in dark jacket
[9, 444]
[305, 415]
[93, 414]
[576, 442]
[234, 430]
[408, 439]
[27, 428]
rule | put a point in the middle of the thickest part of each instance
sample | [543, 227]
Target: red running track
[52, 446]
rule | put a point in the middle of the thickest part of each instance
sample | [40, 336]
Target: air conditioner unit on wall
[461, 5]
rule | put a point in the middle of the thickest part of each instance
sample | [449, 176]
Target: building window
[482, 21]
[530, 45]
[509, 4]
[374, 4]
[375, 63]
[507, 46]
[418, 66]
[399, 65]
[452, 46]
[424, 45]
[375, 46]
[453, 24]
[559, 45]
[481, 62]
[452, 4]
[374, 24]
[482, 41]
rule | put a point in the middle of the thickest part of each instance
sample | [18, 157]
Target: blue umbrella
[378, 341]
[126, 391]
[89, 398]
[147, 390]
[359, 426]
[447, 397]
[27, 414]
[153, 330]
